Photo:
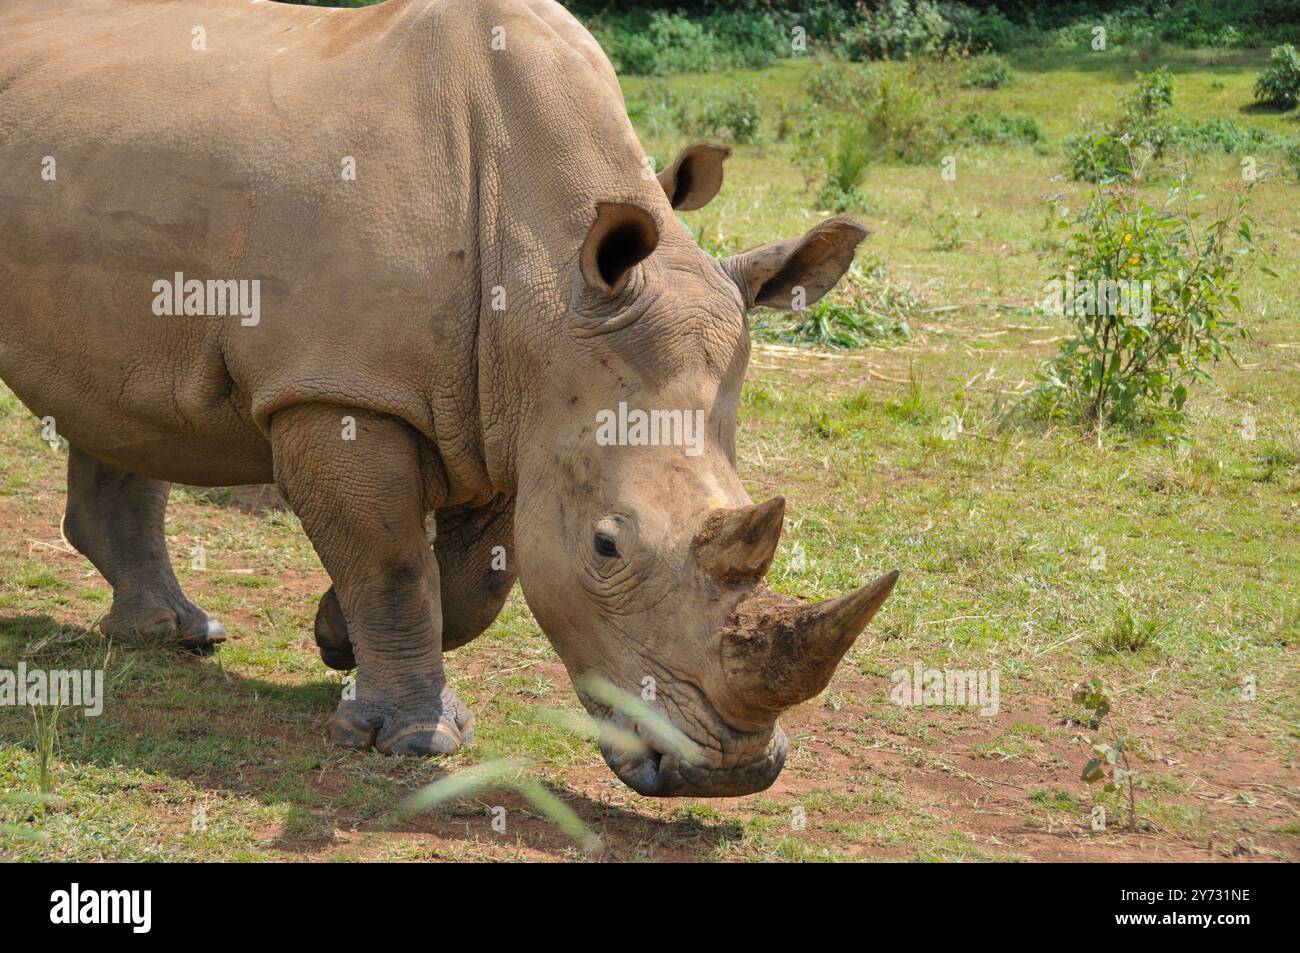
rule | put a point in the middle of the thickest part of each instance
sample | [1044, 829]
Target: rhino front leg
[362, 503]
[474, 549]
[116, 520]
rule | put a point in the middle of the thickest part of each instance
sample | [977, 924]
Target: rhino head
[639, 551]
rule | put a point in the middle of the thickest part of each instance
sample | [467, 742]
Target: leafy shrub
[1097, 155]
[1147, 290]
[1279, 85]
[659, 43]
[904, 110]
[1145, 127]
[732, 115]
[747, 39]
[656, 111]
[988, 72]
[846, 162]
[1110, 762]
[1154, 93]
[899, 29]
[1148, 126]
[1240, 23]
[1128, 27]
[998, 128]
[982, 30]
[669, 43]
[946, 230]
[1224, 135]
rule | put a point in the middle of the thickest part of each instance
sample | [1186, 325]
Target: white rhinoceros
[407, 262]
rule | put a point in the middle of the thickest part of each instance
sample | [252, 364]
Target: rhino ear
[771, 274]
[621, 236]
[695, 176]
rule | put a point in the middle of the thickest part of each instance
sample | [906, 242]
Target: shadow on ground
[173, 715]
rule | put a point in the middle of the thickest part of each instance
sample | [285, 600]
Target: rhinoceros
[404, 261]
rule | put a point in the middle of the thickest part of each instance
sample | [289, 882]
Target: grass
[996, 531]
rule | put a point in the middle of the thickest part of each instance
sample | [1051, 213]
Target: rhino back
[474, 171]
[222, 163]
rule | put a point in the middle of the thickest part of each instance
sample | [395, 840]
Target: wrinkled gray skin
[483, 175]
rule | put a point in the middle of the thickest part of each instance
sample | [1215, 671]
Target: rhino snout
[656, 773]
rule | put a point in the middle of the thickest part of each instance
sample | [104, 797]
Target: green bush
[1224, 135]
[899, 29]
[1279, 85]
[1144, 128]
[1147, 289]
[904, 110]
[998, 128]
[1148, 127]
[1127, 27]
[988, 72]
[1098, 155]
[661, 43]
[668, 43]
[982, 30]
[1154, 93]
[732, 115]
[748, 40]
[846, 162]
[656, 111]
[1239, 23]
[1144, 25]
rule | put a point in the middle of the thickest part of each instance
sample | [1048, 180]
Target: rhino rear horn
[736, 546]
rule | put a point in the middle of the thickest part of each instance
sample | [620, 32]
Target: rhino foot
[188, 627]
[442, 730]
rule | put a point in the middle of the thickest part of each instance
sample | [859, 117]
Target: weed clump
[869, 309]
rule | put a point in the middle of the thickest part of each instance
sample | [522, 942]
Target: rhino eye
[604, 545]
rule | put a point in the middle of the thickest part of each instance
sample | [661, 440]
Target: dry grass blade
[563, 816]
[606, 732]
[647, 719]
[462, 784]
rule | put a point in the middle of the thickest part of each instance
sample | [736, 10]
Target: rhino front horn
[778, 651]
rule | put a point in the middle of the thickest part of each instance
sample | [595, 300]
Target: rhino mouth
[666, 774]
[730, 764]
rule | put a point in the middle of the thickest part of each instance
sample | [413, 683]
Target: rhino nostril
[654, 752]
[641, 770]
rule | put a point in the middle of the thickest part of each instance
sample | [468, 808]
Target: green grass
[995, 528]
